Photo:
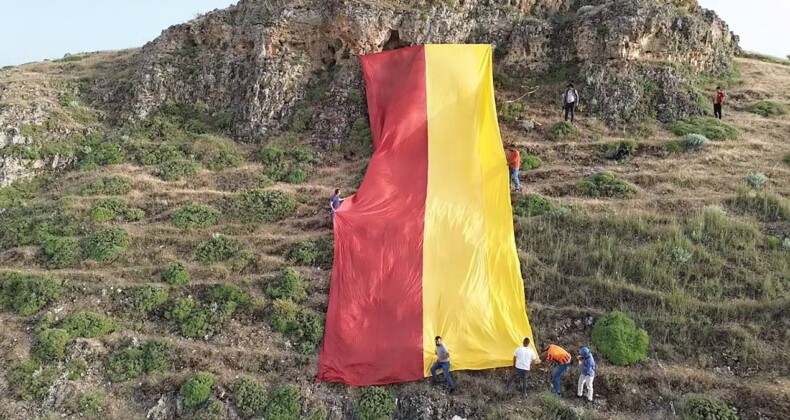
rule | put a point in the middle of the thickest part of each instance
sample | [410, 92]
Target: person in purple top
[334, 203]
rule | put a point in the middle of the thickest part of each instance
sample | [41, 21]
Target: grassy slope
[726, 308]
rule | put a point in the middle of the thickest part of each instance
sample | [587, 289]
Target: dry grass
[722, 311]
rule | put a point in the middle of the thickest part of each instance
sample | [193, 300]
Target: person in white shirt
[523, 358]
[569, 101]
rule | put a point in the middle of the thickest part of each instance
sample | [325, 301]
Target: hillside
[108, 197]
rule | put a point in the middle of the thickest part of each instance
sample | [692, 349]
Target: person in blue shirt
[587, 363]
[334, 203]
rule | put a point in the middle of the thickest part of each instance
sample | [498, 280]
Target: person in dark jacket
[570, 99]
[587, 363]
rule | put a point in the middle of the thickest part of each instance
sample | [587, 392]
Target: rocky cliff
[257, 62]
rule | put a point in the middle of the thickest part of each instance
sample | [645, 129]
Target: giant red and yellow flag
[426, 246]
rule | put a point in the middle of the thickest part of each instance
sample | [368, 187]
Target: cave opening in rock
[394, 42]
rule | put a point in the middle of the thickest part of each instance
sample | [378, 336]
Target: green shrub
[529, 162]
[556, 408]
[290, 285]
[109, 209]
[296, 176]
[218, 248]
[284, 404]
[175, 274]
[360, 138]
[510, 112]
[75, 369]
[766, 206]
[701, 408]
[561, 130]
[173, 170]
[756, 180]
[148, 154]
[260, 206]
[50, 344]
[215, 152]
[148, 298]
[249, 397]
[283, 315]
[180, 309]
[107, 185]
[215, 410]
[619, 149]
[29, 381]
[196, 325]
[99, 152]
[285, 166]
[786, 159]
[768, 109]
[19, 151]
[106, 244]
[532, 205]
[374, 403]
[197, 389]
[227, 293]
[133, 361]
[87, 325]
[313, 252]
[195, 216]
[27, 294]
[606, 184]
[711, 128]
[91, 402]
[615, 335]
[693, 142]
[62, 252]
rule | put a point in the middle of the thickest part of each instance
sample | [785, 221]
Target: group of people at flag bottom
[524, 359]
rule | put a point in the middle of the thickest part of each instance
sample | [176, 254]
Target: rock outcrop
[259, 60]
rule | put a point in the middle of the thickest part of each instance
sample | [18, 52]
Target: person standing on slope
[523, 358]
[569, 101]
[587, 363]
[558, 355]
[443, 363]
[514, 166]
[718, 102]
[334, 204]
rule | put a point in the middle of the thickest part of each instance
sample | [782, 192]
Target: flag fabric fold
[426, 246]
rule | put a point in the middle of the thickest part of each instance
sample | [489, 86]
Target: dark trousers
[717, 110]
[521, 375]
[569, 110]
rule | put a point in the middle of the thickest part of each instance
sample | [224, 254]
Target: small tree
[619, 340]
[197, 389]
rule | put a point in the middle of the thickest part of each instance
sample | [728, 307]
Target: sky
[34, 30]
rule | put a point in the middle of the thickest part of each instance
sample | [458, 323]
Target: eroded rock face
[256, 59]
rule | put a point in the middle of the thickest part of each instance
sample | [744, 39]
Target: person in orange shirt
[718, 102]
[558, 355]
[514, 164]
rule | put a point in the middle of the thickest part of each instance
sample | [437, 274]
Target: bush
[360, 138]
[510, 112]
[606, 184]
[180, 309]
[711, 128]
[532, 205]
[173, 170]
[106, 244]
[766, 206]
[615, 335]
[562, 130]
[620, 149]
[285, 166]
[304, 327]
[290, 285]
[214, 411]
[786, 159]
[296, 176]
[91, 402]
[768, 109]
[109, 209]
[87, 325]
[195, 216]
[283, 315]
[99, 152]
[107, 185]
[529, 162]
[175, 274]
[61, 252]
[214, 152]
[50, 344]
[556, 408]
[228, 293]
[249, 397]
[700, 408]
[285, 404]
[131, 362]
[313, 252]
[693, 142]
[197, 389]
[756, 180]
[374, 403]
[260, 206]
[218, 248]
[196, 325]
[29, 381]
[27, 294]
[155, 153]
[148, 298]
